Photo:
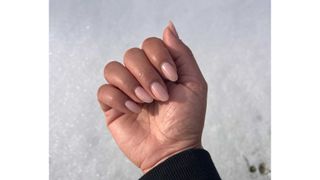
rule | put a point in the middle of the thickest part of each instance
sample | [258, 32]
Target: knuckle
[199, 86]
[147, 77]
[101, 91]
[110, 66]
[151, 40]
[110, 99]
[106, 94]
[188, 50]
[204, 86]
[141, 76]
[131, 52]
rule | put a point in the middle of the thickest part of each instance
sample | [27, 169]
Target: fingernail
[173, 29]
[159, 91]
[132, 106]
[169, 71]
[143, 95]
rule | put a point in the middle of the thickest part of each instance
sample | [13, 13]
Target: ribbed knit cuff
[187, 165]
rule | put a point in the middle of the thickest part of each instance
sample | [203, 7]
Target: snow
[231, 42]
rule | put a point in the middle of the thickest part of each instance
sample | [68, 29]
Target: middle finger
[138, 64]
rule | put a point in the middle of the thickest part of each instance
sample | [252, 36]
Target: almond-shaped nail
[169, 71]
[132, 106]
[143, 95]
[159, 92]
[173, 29]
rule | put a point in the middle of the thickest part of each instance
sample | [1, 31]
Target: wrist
[170, 154]
[189, 164]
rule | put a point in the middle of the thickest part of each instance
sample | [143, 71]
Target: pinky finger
[110, 96]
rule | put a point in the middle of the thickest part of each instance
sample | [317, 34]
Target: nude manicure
[132, 106]
[159, 92]
[173, 29]
[143, 95]
[169, 71]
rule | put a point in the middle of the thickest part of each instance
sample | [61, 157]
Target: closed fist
[155, 102]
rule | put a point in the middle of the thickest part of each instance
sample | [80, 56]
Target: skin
[155, 130]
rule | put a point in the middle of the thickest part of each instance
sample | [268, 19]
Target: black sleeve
[187, 165]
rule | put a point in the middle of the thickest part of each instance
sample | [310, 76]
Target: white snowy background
[231, 42]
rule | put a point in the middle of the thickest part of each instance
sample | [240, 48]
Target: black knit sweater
[192, 164]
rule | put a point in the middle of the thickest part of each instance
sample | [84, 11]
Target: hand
[155, 105]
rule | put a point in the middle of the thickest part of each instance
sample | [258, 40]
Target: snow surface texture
[231, 42]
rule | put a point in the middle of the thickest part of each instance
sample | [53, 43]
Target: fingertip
[172, 28]
[159, 91]
[143, 95]
[132, 106]
[169, 71]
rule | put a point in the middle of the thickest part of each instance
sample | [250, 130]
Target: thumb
[187, 67]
